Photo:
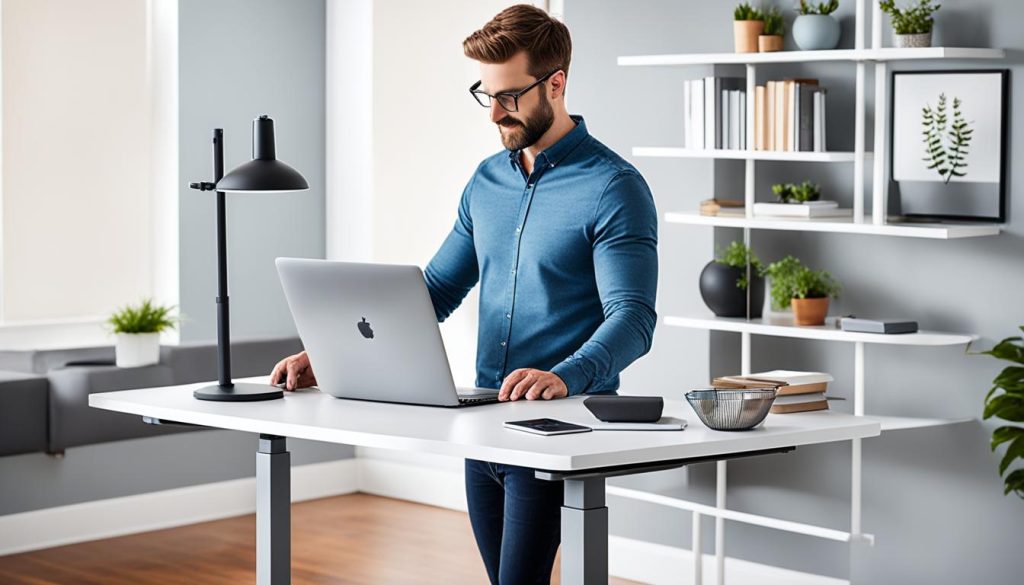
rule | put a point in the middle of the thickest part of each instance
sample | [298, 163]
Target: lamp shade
[264, 172]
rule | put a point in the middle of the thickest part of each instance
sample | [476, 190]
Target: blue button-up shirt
[567, 263]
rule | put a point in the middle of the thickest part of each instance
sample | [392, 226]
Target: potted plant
[1008, 405]
[138, 330]
[806, 291]
[771, 38]
[802, 193]
[723, 282]
[815, 28]
[747, 25]
[912, 26]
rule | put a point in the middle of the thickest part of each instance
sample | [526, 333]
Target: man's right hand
[295, 371]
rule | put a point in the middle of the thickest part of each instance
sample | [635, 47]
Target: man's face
[523, 128]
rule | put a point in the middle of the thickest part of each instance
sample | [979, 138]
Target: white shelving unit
[844, 225]
[876, 224]
[719, 153]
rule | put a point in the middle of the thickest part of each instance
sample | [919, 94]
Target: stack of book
[805, 209]
[724, 207]
[798, 391]
[714, 113]
[789, 115]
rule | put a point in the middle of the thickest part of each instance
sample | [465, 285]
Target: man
[561, 233]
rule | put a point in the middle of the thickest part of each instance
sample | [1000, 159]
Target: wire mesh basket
[724, 409]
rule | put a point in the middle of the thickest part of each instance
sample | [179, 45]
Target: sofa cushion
[41, 361]
[74, 423]
[23, 423]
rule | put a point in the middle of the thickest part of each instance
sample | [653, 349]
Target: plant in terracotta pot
[724, 283]
[912, 26]
[748, 24]
[815, 28]
[1005, 400]
[771, 39]
[806, 291]
[138, 329]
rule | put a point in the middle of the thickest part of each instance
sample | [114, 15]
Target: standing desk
[581, 461]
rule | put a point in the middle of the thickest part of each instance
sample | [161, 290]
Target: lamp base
[239, 393]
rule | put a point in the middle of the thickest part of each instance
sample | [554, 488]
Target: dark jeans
[516, 520]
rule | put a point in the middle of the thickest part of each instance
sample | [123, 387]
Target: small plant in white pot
[138, 331]
[912, 26]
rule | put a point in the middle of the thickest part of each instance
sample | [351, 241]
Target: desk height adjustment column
[584, 532]
[273, 512]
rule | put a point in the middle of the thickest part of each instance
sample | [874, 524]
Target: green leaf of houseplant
[1004, 434]
[1005, 406]
[1015, 450]
[1014, 483]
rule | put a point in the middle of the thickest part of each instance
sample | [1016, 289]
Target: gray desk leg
[584, 533]
[273, 512]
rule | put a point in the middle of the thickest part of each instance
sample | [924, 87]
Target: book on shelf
[805, 210]
[789, 382]
[792, 403]
[724, 207]
[710, 119]
[790, 116]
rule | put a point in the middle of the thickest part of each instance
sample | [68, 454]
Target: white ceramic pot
[137, 349]
[913, 41]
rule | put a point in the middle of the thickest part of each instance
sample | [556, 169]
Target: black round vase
[725, 299]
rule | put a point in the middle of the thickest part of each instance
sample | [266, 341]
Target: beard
[524, 133]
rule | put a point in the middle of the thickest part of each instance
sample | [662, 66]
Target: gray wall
[238, 59]
[931, 496]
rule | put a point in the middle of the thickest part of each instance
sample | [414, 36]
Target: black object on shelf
[264, 173]
[724, 297]
[638, 409]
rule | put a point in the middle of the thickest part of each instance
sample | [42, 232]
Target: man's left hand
[532, 384]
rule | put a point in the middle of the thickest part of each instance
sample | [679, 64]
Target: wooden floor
[344, 540]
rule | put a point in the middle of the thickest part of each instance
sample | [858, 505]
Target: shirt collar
[555, 153]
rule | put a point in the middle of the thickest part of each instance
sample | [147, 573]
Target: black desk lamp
[264, 173]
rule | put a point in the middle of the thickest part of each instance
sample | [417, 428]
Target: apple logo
[365, 329]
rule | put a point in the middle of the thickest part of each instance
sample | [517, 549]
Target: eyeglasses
[508, 100]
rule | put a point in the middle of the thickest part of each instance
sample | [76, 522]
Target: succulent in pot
[771, 39]
[748, 24]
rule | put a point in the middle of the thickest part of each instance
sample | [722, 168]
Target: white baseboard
[164, 509]
[435, 485]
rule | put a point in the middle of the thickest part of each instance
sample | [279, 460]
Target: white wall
[427, 137]
[76, 211]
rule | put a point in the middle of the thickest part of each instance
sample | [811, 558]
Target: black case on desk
[625, 408]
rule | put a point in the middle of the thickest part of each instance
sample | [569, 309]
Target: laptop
[371, 333]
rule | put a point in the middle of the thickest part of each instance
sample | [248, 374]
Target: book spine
[769, 107]
[806, 138]
[817, 122]
[687, 120]
[697, 102]
[710, 122]
[742, 120]
[759, 117]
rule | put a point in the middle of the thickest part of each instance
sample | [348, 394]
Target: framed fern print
[948, 144]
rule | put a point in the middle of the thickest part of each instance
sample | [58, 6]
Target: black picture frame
[896, 200]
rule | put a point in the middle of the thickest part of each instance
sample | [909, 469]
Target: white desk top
[477, 432]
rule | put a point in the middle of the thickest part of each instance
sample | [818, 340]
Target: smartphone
[546, 426]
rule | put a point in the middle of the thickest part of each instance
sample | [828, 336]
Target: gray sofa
[44, 393]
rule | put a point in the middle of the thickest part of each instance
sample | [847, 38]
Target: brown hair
[522, 28]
